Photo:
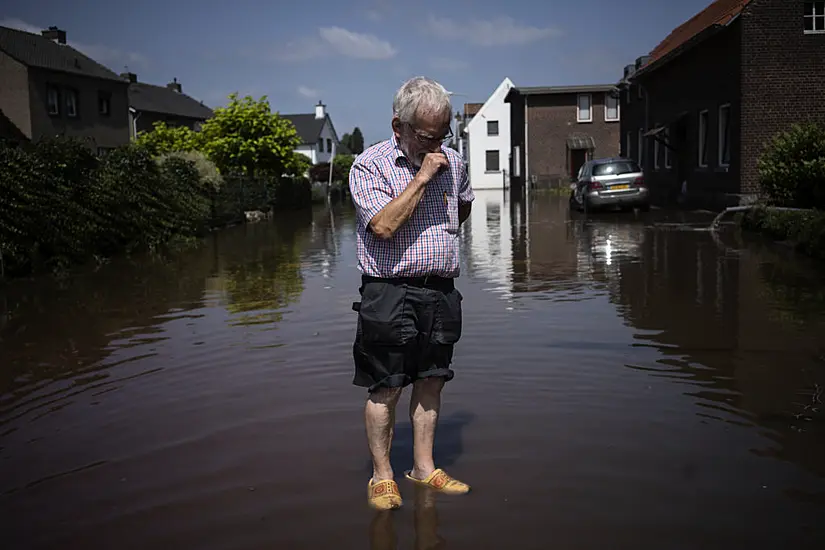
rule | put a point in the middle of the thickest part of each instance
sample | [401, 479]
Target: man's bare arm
[389, 220]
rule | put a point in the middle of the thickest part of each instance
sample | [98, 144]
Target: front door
[577, 158]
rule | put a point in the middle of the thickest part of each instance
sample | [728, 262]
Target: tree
[342, 164]
[163, 139]
[247, 137]
[356, 141]
[320, 172]
[346, 141]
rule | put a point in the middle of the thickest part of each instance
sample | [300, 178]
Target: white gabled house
[488, 141]
[318, 137]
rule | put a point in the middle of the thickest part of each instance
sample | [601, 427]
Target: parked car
[609, 183]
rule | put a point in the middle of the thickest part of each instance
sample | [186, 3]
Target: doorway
[577, 158]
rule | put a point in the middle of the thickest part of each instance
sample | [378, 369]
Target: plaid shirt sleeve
[370, 191]
[465, 190]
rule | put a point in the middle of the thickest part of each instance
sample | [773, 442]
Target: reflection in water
[204, 400]
[383, 533]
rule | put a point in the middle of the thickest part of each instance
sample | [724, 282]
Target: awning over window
[655, 131]
[580, 141]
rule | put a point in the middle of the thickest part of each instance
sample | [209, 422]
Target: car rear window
[616, 168]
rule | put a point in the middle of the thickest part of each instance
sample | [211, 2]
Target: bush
[62, 205]
[792, 170]
[805, 229]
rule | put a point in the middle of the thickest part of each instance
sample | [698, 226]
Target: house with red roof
[698, 110]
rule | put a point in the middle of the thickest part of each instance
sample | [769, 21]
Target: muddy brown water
[623, 381]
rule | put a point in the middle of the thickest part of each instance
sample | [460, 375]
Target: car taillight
[594, 185]
[639, 182]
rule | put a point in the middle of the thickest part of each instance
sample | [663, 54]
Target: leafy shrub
[792, 170]
[805, 229]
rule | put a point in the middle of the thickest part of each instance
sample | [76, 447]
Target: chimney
[175, 85]
[320, 110]
[131, 77]
[53, 33]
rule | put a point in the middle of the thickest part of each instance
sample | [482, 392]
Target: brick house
[554, 130]
[698, 110]
[149, 103]
[48, 88]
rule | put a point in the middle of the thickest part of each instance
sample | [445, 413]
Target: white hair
[420, 95]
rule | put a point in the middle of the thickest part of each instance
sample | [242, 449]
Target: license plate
[619, 187]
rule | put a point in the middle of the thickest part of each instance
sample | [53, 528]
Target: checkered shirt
[427, 244]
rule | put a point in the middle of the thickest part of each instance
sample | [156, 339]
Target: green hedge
[61, 205]
[804, 229]
[792, 169]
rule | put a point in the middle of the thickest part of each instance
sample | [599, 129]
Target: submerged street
[623, 381]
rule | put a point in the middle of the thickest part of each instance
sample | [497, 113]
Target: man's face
[425, 135]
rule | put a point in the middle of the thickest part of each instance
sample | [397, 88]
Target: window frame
[52, 89]
[104, 98]
[640, 144]
[607, 98]
[727, 138]
[72, 94]
[579, 119]
[656, 150]
[487, 157]
[668, 159]
[816, 16]
[702, 139]
[489, 122]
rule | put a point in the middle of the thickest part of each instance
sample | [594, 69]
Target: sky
[353, 55]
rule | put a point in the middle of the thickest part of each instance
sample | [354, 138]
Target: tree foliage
[357, 141]
[792, 169]
[246, 137]
[163, 139]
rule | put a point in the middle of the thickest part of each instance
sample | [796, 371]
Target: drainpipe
[526, 168]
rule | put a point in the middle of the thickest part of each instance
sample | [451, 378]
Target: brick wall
[702, 78]
[783, 76]
[99, 130]
[14, 93]
[550, 120]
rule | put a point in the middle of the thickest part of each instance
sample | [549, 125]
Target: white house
[317, 134]
[488, 140]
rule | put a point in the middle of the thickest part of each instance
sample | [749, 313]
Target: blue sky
[353, 55]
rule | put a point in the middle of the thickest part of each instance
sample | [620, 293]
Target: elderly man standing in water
[411, 194]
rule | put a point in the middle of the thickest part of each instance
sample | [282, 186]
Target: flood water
[623, 382]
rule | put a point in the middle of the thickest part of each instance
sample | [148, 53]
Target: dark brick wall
[99, 130]
[702, 78]
[14, 94]
[551, 119]
[783, 76]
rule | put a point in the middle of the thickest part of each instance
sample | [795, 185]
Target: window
[320, 145]
[703, 139]
[616, 168]
[724, 135]
[492, 127]
[329, 145]
[639, 155]
[611, 108]
[628, 94]
[667, 149]
[814, 17]
[628, 143]
[639, 91]
[492, 161]
[53, 100]
[71, 103]
[583, 112]
[104, 103]
[656, 148]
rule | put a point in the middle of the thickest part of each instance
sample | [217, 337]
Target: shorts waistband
[427, 281]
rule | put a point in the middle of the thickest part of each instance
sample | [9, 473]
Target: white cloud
[449, 64]
[336, 41]
[113, 58]
[310, 93]
[353, 44]
[500, 31]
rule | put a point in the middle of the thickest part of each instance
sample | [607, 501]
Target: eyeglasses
[429, 140]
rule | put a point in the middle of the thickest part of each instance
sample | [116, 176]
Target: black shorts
[406, 331]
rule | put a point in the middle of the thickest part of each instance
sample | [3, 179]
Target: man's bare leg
[379, 418]
[425, 404]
